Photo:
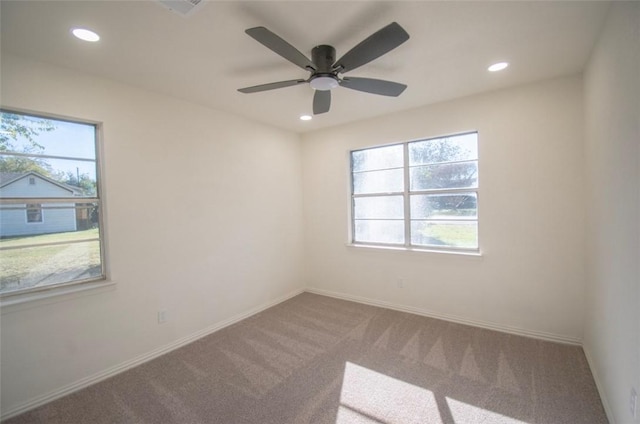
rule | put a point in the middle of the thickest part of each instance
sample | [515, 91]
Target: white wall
[612, 105]
[203, 219]
[530, 277]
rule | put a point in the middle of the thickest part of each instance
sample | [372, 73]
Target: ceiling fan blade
[271, 86]
[321, 101]
[381, 42]
[374, 86]
[278, 45]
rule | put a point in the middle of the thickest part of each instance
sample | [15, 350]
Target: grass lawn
[49, 238]
[43, 265]
[450, 234]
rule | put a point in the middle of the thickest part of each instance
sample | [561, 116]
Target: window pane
[27, 267]
[444, 206]
[47, 177]
[377, 158]
[443, 234]
[389, 181]
[46, 136]
[379, 231]
[442, 176]
[450, 149]
[387, 207]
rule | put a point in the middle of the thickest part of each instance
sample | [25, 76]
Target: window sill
[462, 253]
[12, 302]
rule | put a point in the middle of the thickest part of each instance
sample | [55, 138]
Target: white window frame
[40, 292]
[407, 193]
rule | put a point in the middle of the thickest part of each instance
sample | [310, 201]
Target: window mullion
[407, 203]
[447, 190]
[391, 194]
[21, 200]
[42, 156]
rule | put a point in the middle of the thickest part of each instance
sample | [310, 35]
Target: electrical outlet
[162, 317]
[633, 401]
[400, 283]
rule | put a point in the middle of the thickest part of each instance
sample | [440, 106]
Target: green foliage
[14, 127]
[447, 170]
[82, 181]
[455, 175]
[22, 164]
[435, 151]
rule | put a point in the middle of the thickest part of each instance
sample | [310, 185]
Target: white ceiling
[206, 56]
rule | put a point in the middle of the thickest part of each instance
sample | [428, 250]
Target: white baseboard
[110, 372]
[601, 392]
[460, 320]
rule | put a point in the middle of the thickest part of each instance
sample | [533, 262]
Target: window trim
[46, 291]
[407, 193]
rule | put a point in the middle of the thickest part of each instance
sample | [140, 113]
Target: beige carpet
[315, 359]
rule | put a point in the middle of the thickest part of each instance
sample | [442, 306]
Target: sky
[69, 140]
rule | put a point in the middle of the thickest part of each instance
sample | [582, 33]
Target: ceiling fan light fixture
[324, 83]
[306, 117]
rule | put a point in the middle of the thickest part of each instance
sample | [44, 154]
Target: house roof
[7, 178]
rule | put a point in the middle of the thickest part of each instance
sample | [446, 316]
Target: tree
[22, 164]
[448, 167]
[18, 134]
[441, 174]
[435, 151]
[82, 181]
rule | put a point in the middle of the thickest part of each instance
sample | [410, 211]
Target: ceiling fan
[326, 71]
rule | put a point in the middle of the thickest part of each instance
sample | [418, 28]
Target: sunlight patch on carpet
[465, 413]
[368, 396]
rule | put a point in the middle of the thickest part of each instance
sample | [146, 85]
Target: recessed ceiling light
[306, 117]
[85, 34]
[497, 66]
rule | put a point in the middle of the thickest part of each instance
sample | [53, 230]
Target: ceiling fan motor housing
[323, 56]
[323, 78]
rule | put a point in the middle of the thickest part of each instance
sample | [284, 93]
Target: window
[420, 194]
[48, 171]
[34, 212]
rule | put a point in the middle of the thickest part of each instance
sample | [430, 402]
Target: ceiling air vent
[182, 7]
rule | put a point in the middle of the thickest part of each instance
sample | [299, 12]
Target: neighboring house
[33, 217]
